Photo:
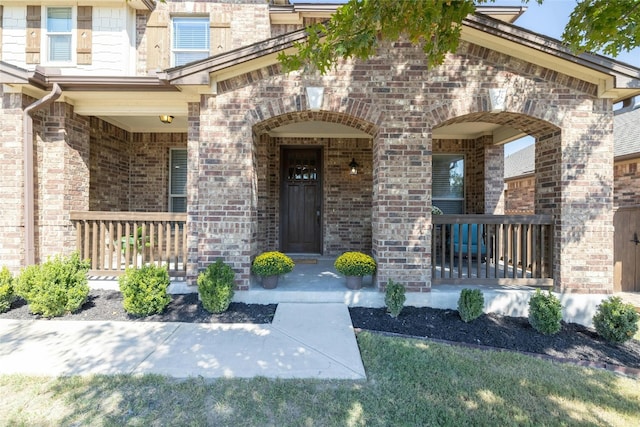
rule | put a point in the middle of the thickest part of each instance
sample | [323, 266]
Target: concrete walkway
[305, 340]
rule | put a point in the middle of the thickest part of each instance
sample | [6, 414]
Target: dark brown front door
[301, 197]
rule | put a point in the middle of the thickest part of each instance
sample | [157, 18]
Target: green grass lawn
[409, 383]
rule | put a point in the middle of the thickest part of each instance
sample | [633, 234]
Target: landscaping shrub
[470, 304]
[545, 313]
[57, 287]
[144, 290]
[394, 298]
[7, 295]
[616, 321]
[215, 287]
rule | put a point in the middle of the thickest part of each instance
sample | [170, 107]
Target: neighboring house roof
[520, 163]
[626, 142]
[626, 130]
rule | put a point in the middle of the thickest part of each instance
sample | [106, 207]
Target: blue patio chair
[461, 240]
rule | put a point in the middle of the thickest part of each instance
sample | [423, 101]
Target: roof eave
[615, 79]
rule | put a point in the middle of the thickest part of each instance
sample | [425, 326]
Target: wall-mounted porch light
[315, 95]
[165, 118]
[353, 167]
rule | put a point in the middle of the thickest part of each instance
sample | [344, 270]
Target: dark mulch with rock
[511, 333]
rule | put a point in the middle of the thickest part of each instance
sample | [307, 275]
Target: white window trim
[207, 51]
[171, 195]
[44, 38]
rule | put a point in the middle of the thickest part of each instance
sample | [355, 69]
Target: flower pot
[354, 282]
[270, 282]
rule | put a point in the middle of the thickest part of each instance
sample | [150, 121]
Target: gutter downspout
[27, 137]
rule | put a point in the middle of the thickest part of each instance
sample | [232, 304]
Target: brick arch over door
[349, 112]
[334, 190]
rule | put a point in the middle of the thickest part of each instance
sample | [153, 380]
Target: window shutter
[32, 48]
[84, 34]
[158, 53]
[220, 34]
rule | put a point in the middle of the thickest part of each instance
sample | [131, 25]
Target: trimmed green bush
[545, 313]
[57, 287]
[616, 321]
[7, 295]
[470, 304]
[144, 290]
[215, 287]
[394, 298]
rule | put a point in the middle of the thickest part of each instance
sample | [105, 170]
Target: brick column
[193, 212]
[402, 209]
[574, 182]
[493, 177]
[224, 214]
[12, 249]
[62, 177]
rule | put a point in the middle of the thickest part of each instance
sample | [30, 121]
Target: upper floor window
[190, 39]
[59, 34]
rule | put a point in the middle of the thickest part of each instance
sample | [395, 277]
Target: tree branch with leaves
[357, 28]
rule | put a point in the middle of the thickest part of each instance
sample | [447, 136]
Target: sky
[548, 19]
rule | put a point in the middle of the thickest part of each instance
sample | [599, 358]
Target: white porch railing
[114, 241]
[492, 249]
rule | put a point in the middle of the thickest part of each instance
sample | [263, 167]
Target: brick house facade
[98, 145]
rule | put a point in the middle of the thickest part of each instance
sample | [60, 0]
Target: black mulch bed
[107, 305]
[512, 333]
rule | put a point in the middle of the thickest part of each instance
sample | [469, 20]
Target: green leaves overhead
[357, 28]
[608, 26]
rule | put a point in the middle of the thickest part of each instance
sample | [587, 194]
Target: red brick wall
[110, 158]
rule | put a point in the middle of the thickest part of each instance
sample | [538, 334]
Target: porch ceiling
[472, 130]
[317, 129]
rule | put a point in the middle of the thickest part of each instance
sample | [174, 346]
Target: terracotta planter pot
[270, 282]
[354, 282]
